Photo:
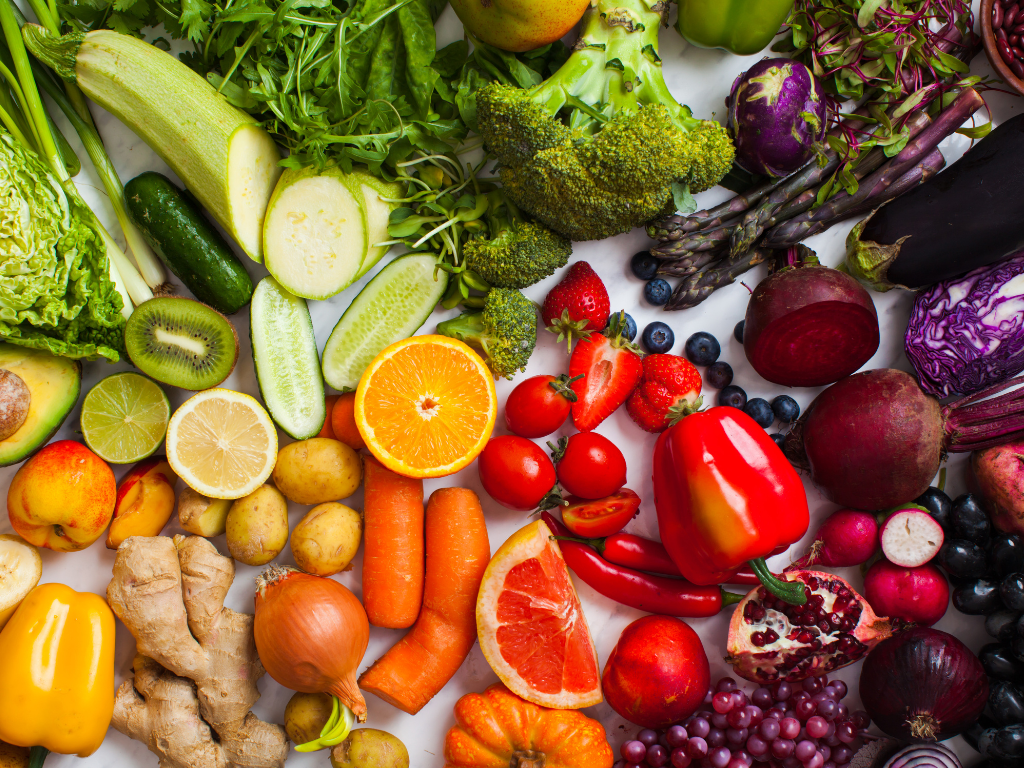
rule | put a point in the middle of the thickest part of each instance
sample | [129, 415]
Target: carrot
[421, 663]
[393, 555]
[343, 421]
[327, 430]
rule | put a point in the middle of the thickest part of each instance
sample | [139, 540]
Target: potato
[15, 398]
[317, 470]
[370, 748]
[12, 756]
[202, 516]
[305, 716]
[257, 526]
[327, 538]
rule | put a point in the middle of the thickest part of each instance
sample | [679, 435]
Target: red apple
[145, 501]
[658, 673]
[62, 498]
[519, 25]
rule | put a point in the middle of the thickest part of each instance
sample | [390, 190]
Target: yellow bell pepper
[57, 671]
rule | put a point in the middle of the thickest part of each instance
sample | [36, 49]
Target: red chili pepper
[654, 594]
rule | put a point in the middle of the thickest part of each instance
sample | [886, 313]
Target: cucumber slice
[392, 307]
[287, 365]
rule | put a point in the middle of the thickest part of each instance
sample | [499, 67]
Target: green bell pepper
[740, 26]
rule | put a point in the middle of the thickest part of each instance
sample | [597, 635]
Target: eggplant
[966, 217]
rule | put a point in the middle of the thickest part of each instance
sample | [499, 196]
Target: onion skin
[923, 685]
[311, 634]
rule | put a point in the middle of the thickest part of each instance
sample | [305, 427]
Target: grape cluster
[789, 725]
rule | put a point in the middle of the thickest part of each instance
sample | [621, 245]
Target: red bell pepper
[726, 495]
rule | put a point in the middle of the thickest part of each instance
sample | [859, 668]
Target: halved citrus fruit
[426, 406]
[222, 444]
[531, 625]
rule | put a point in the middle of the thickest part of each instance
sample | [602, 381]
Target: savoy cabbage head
[55, 288]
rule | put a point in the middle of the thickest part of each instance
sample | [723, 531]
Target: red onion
[926, 756]
[923, 685]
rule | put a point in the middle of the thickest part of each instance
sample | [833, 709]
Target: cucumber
[287, 365]
[392, 307]
[376, 213]
[186, 242]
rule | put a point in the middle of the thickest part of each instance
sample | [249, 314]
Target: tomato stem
[791, 592]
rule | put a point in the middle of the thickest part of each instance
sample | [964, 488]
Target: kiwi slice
[181, 342]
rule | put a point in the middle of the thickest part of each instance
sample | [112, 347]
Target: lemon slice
[124, 418]
[222, 444]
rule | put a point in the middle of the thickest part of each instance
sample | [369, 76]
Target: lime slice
[124, 418]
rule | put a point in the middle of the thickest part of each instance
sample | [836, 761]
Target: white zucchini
[376, 213]
[220, 153]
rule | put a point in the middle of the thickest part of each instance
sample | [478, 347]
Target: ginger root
[197, 669]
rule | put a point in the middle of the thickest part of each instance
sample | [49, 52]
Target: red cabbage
[967, 333]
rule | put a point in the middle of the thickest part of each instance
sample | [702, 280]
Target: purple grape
[797, 697]
[633, 751]
[699, 727]
[828, 709]
[826, 752]
[781, 690]
[736, 736]
[739, 718]
[805, 750]
[829, 764]
[817, 727]
[723, 702]
[769, 729]
[842, 754]
[680, 759]
[657, 756]
[716, 737]
[813, 685]
[845, 732]
[696, 747]
[790, 713]
[842, 712]
[783, 748]
[736, 763]
[744, 756]
[756, 714]
[708, 696]
[720, 721]
[762, 697]
[757, 746]
[841, 689]
[676, 736]
[816, 761]
[647, 737]
[776, 713]
[861, 720]
[727, 685]
[805, 709]
[791, 762]
[720, 757]
[789, 728]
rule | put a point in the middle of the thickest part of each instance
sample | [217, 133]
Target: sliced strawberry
[578, 305]
[668, 391]
[611, 367]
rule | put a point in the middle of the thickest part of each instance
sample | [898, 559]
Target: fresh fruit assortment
[589, 142]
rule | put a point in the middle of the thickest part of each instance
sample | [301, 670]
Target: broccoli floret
[505, 330]
[515, 253]
[602, 146]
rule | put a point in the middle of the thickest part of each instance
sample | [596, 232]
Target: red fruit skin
[872, 440]
[610, 373]
[603, 517]
[848, 537]
[996, 475]
[920, 594]
[515, 472]
[658, 672]
[592, 466]
[582, 293]
[535, 408]
[809, 326]
[669, 383]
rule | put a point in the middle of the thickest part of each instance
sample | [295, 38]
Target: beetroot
[808, 326]
[875, 440]
[848, 537]
[996, 475]
[920, 594]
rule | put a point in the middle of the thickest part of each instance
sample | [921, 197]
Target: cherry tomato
[590, 466]
[539, 406]
[516, 472]
[597, 519]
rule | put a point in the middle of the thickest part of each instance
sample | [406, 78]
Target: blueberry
[1011, 590]
[759, 410]
[778, 438]
[786, 409]
[732, 396]
[658, 338]
[969, 521]
[718, 375]
[658, 292]
[629, 328]
[644, 265]
[1007, 554]
[737, 332]
[938, 505]
[702, 349]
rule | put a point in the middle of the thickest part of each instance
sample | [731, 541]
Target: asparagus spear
[700, 285]
[693, 263]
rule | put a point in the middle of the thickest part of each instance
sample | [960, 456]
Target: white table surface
[700, 78]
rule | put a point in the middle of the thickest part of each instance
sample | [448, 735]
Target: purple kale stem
[986, 418]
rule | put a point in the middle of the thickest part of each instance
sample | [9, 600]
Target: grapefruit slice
[531, 625]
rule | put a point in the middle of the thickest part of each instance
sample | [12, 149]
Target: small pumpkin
[497, 729]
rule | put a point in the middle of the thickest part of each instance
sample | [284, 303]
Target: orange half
[426, 406]
[531, 625]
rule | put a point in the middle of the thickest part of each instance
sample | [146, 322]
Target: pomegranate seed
[771, 636]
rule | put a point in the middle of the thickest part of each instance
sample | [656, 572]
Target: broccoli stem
[466, 327]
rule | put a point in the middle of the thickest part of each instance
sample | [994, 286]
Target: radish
[920, 594]
[809, 325]
[848, 537]
[911, 537]
[875, 440]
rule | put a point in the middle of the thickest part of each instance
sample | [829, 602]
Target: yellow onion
[311, 634]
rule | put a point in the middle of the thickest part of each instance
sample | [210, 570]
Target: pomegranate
[658, 673]
[771, 640]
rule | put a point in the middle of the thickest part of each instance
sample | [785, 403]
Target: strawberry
[610, 366]
[668, 391]
[577, 305]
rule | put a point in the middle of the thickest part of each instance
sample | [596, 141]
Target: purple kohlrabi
[967, 333]
[776, 116]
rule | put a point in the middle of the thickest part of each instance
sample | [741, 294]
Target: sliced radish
[911, 537]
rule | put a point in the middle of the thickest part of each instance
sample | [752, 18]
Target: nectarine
[145, 501]
[519, 25]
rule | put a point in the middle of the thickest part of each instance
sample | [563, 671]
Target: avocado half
[55, 383]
